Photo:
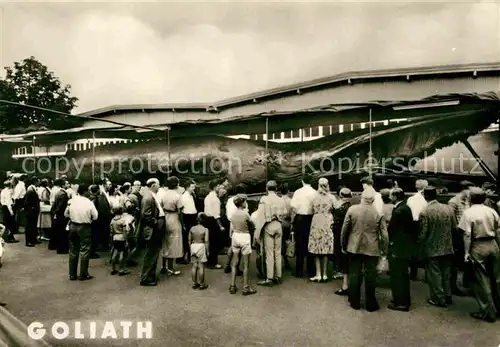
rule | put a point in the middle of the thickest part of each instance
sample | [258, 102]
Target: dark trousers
[95, 238]
[103, 233]
[17, 209]
[152, 252]
[9, 223]
[458, 261]
[363, 266]
[61, 235]
[31, 227]
[189, 221]
[79, 248]
[215, 239]
[400, 281]
[286, 230]
[302, 228]
[438, 278]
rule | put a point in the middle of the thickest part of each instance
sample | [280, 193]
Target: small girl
[119, 231]
[198, 243]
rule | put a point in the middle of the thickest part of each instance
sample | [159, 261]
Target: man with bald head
[480, 225]
[153, 231]
[361, 236]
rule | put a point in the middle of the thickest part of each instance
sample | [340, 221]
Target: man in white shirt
[189, 217]
[302, 213]
[378, 203]
[19, 192]
[214, 224]
[230, 209]
[8, 213]
[81, 213]
[416, 203]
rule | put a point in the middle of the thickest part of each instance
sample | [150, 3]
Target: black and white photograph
[249, 173]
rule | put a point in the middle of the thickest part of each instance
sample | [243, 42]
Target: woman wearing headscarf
[321, 236]
[341, 259]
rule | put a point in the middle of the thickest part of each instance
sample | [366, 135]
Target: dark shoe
[30, 245]
[342, 292]
[278, 280]
[3, 304]
[13, 241]
[62, 252]
[232, 289]
[114, 272]
[480, 316]
[373, 309]
[433, 303]
[203, 286]
[227, 269]
[149, 284]
[393, 307]
[266, 283]
[248, 291]
[85, 278]
[123, 272]
[355, 307]
[195, 286]
[73, 278]
[95, 256]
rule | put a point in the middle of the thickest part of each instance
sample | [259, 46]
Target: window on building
[288, 134]
[315, 131]
[327, 130]
[296, 134]
[306, 132]
[260, 137]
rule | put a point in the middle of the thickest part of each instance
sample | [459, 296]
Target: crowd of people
[384, 232]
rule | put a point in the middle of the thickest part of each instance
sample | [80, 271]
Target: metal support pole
[93, 157]
[267, 149]
[34, 154]
[168, 152]
[370, 154]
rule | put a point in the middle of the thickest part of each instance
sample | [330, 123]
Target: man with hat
[459, 203]
[272, 210]
[481, 229]
[436, 227]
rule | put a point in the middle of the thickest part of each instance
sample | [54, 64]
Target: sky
[132, 53]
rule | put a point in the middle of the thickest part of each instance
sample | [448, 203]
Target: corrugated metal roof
[442, 71]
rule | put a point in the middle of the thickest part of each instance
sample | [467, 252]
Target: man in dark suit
[153, 231]
[32, 210]
[60, 221]
[361, 236]
[104, 212]
[436, 226]
[402, 237]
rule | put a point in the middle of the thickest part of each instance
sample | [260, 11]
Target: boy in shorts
[119, 230]
[198, 244]
[241, 243]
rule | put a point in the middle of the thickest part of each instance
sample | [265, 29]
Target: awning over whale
[434, 107]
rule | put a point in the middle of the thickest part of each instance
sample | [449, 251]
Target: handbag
[290, 246]
[383, 265]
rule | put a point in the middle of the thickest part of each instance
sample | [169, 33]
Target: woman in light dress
[172, 244]
[45, 217]
[321, 236]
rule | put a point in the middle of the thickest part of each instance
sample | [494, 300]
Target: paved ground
[34, 284]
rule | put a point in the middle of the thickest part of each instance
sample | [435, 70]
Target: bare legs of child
[198, 276]
[118, 259]
[247, 290]
[230, 261]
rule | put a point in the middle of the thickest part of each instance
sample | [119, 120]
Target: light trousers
[272, 244]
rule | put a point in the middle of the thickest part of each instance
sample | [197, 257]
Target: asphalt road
[35, 285]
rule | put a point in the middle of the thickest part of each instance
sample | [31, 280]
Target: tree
[30, 82]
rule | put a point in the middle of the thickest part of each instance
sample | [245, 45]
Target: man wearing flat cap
[481, 229]
[268, 232]
[437, 224]
[459, 204]
[489, 188]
